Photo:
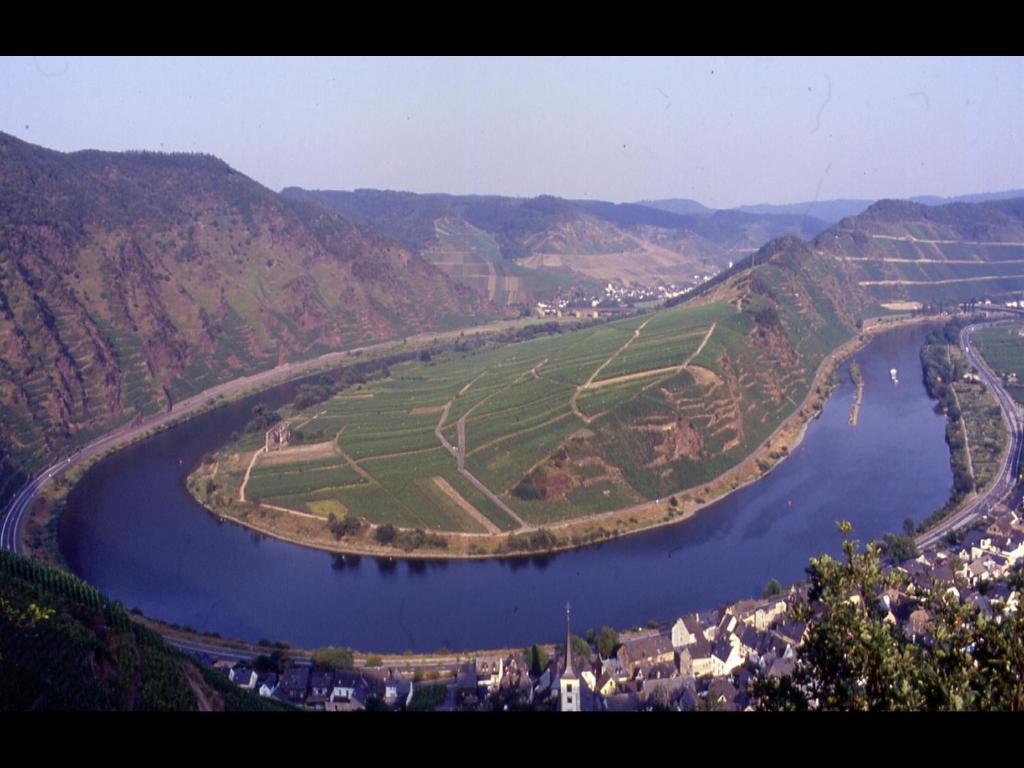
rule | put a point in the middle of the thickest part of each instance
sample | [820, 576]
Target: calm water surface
[132, 530]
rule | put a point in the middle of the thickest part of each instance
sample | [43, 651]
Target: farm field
[558, 427]
[1003, 350]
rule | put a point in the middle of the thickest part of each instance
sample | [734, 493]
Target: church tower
[569, 682]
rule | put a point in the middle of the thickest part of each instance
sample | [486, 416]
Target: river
[131, 529]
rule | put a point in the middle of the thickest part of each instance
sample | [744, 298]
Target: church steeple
[569, 682]
[568, 644]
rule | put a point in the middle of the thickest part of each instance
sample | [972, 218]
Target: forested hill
[131, 280]
[905, 251]
[517, 250]
[65, 647]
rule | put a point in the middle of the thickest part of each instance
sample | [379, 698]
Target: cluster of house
[703, 661]
[615, 298]
[324, 688]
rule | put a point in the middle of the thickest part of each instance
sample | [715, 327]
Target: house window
[568, 687]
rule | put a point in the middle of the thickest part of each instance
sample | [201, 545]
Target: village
[705, 661]
[615, 299]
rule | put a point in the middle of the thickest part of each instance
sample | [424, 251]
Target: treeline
[940, 371]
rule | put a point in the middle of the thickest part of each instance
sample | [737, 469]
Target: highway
[1006, 478]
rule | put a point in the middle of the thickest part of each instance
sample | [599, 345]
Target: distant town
[615, 298]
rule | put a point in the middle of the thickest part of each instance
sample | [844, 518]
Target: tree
[373, 660]
[607, 642]
[772, 588]
[580, 647]
[899, 549]
[335, 658]
[385, 533]
[854, 659]
[538, 660]
[909, 527]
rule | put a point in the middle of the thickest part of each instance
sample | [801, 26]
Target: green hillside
[65, 647]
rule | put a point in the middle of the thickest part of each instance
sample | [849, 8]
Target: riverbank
[307, 531]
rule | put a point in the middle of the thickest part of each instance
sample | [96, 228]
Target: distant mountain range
[829, 211]
[517, 250]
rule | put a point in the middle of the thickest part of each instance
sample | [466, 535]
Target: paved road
[1006, 478]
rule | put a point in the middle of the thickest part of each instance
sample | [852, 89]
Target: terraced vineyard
[563, 426]
[906, 252]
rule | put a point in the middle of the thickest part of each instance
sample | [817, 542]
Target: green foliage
[539, 660]
[385, 533]
[335, 658]
[345, 526]
[607, 642]
[772, 588]
[899, 548]
[261, 419]
[64, 646]
[580, 647]
[853, 659]
[373, 660]
[426, 697]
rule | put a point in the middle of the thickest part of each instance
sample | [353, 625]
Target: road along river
[131, 529]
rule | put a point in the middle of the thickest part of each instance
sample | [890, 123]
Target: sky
[723, 131]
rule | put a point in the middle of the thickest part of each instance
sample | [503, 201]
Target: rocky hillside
[905, 251]
[131, 280]
[517, 250]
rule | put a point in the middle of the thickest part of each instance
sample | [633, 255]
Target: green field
[1003, 349]
[624, 442]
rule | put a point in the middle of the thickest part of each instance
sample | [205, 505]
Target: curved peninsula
[554, 442]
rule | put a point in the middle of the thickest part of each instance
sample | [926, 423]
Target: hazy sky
[722, 131]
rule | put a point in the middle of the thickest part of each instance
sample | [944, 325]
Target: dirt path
[616, 353]
[466, 507]
[632, 376]
[912, 239]
[248, 471]
[591, 384]
[460, 451]
[315, 416]
[891, 260]
[204, 702]
[939, 282]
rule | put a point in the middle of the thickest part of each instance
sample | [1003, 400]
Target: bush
[385, 533]
[335, 658]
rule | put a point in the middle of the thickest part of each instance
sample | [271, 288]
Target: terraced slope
[567, 425]
[902, 251]
[129, 281]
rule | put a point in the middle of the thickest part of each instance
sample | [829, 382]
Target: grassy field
[557, 427]
[1003, 349]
